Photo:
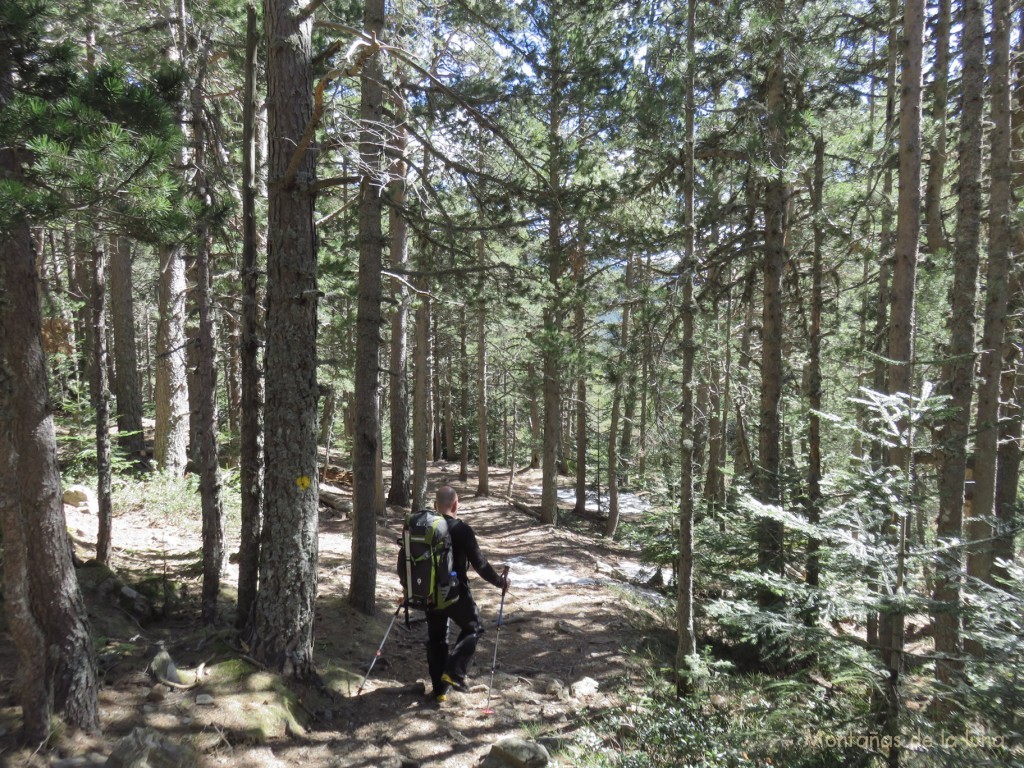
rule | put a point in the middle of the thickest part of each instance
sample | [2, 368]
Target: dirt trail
[564, 620]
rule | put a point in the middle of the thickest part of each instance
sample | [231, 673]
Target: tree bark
[251, 445]
[686, 637]
[206, 370]
[550, 344]
[463, 397]
[579, 322]
[482, 485]
[101, 397]
[901, 330]
[814, 500]
[771, 555]
[365, 491]
[980, 527]
[421, 403]
[282, 625]
[122, 317]
[958, 372]
[399, 492]
[172, 409]
[935, 236]
[46, 615]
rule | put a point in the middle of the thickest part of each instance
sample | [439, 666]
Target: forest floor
[570, 621]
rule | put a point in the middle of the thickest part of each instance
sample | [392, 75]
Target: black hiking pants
[455, 663]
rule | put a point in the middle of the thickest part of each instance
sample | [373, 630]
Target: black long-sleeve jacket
[466, 551]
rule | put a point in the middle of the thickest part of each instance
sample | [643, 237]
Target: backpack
[426, 563]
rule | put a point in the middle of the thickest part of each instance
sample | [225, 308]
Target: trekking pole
[497, 636]
[381, 648]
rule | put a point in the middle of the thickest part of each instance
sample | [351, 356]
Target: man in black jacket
[448, 668]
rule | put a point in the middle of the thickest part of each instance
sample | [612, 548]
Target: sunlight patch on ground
[629, 503]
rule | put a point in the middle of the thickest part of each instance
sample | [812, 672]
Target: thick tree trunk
[901, 331]
[771, 555]
[251, 445]
[206, 372]
[46, 616]
[122, 317]
[958, 372]
[1011, 434]
[282, 624]
[365, 491]
[980, 527]
[172, 409]
[399, 492]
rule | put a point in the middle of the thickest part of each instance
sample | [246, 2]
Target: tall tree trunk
[282, 624]
[83, 294]
[170, 441]
[771, 554]
[46, 615]
[122, 317]
[980, 528]
[814, 501]
[399, 492]
[550, 346]
[1011, 434]
[935, 236]
[206, 372]
[482, 484]
[880, 343]
[618, 396]
[421, 402]
[534, 387]
[463, 397]
[686, 638]
[251, 445]
[958, 372]
[901, 332]
[630, 384]
[579, 323]
[613, 455]
[365, 490]
[101, 398]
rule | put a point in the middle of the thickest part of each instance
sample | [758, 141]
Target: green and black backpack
[426, 563]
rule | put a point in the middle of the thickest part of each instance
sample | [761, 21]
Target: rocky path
[565, 654]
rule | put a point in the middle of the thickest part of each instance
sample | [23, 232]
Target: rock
[204, 700]
[157, 693]
[516, 753]
[145, 748]
[81, 497]
[556, 688]
[82, 761]
[581, 689]
[163, 669]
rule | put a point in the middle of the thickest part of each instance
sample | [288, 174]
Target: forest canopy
[756, 263]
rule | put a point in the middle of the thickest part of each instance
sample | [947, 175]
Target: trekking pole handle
[504, 579]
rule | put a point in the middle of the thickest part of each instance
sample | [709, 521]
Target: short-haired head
[446, 500]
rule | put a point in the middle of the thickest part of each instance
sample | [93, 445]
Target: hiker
[448, 668]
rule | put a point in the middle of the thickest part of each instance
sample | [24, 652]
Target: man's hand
[505, 583]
